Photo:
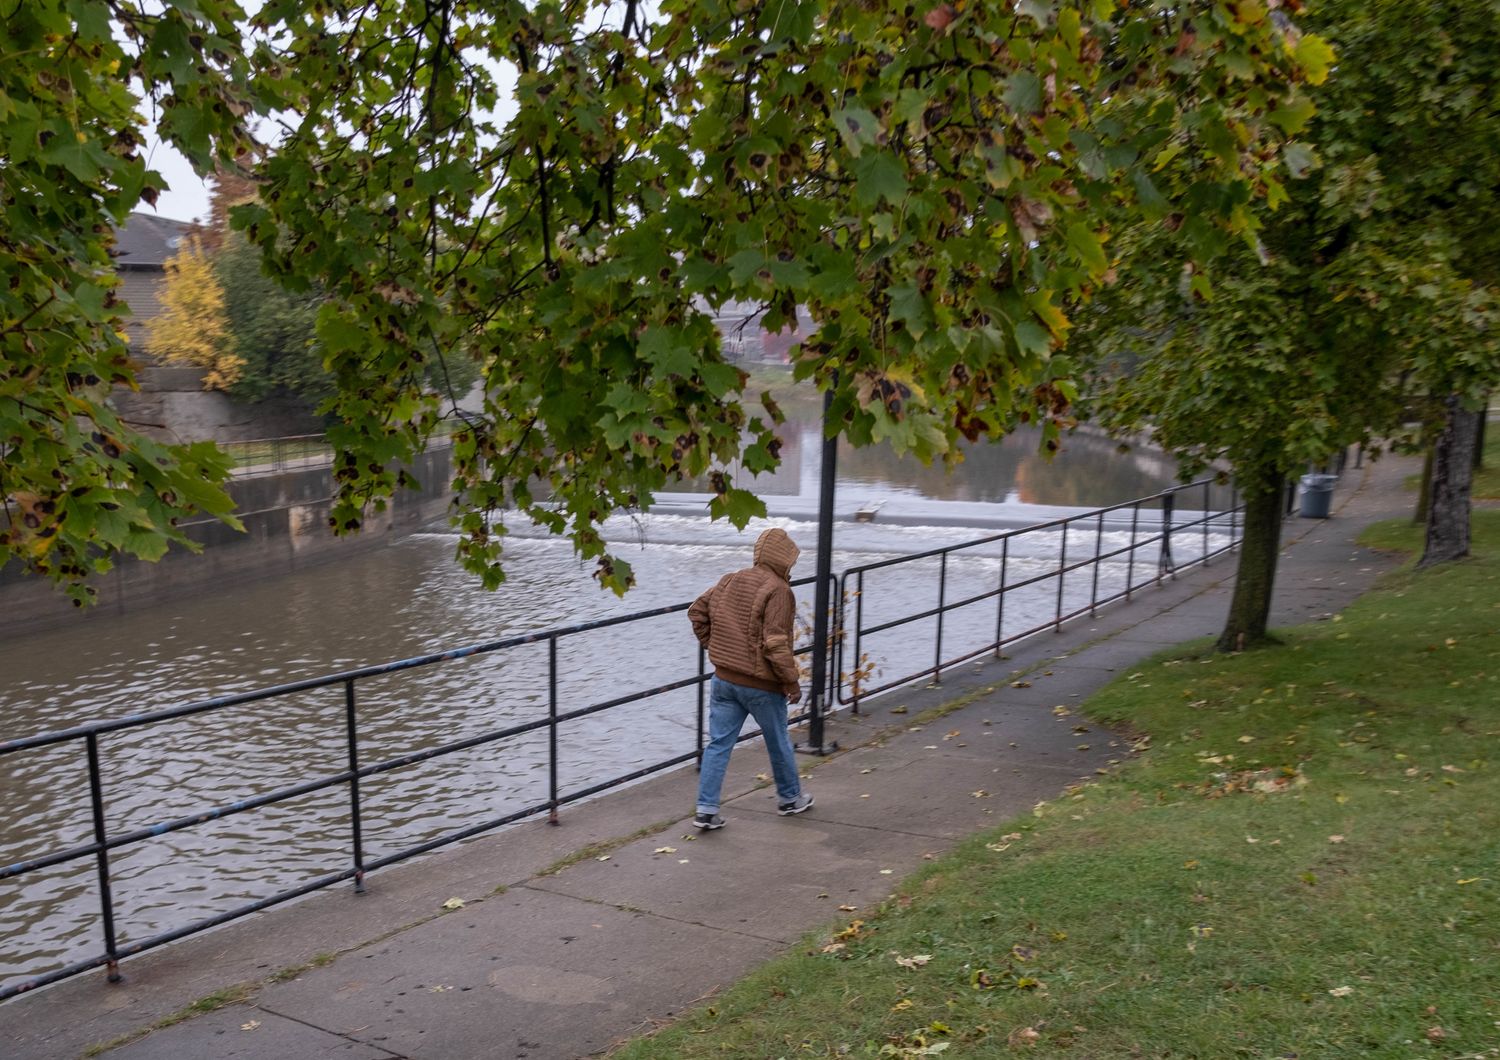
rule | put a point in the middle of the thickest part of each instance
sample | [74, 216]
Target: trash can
[1317, 496]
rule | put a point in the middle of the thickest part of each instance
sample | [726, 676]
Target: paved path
[551, 965]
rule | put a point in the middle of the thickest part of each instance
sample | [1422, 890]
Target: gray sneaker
[798, 805]
[707, 822]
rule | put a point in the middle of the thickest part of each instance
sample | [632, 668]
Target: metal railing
[270, 456]
[88, 738]
[1161, 530]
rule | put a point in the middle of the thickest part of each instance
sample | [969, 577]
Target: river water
[409, 599]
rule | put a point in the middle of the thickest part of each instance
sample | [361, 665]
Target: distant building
[746, 341]
[141, 250]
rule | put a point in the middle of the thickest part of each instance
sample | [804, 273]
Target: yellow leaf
[902, 1005]
[454, 903]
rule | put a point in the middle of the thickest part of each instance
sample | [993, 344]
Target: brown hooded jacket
[745, 621]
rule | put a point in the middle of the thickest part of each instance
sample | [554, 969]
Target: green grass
[1172, 910]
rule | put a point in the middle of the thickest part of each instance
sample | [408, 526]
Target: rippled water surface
[403, 601]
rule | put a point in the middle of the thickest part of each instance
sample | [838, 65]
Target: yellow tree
[192, 327]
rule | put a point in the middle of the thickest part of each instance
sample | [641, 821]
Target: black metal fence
[1150, 523]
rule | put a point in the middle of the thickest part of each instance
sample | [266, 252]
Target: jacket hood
[774, 549]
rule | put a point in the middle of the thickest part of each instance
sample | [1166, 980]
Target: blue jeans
[728, 707]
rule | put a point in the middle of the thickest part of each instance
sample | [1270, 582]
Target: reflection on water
[407, 600]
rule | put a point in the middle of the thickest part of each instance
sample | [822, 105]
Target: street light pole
[821, 594]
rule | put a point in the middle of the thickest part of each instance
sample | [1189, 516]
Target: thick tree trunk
[1250, 609]
[1452, 477]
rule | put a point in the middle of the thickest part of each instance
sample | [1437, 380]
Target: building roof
[147, 241]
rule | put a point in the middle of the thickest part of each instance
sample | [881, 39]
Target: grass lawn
[1303, 861]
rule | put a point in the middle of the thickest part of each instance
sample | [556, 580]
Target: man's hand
[794, 694]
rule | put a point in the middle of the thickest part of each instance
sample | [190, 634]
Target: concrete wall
[172, 404]
[286, 528]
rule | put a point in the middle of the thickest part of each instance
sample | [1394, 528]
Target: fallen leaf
[1342, 991]
[833, 947]
[1011, 836]
[454, 903]
[440, 989]
[1023, 1036]
[864, 771]
[950, 734]
[980, 794]
[930, 747]
[998, 848]
[1247, 739]
[848, 908]
[1471, 879]
[898, 710]
[1020, 684]
[665, 850]
[602, 857]
[682, 861]
[250, 1026]
[1453, 769]
[902, 1005]
[1061, 711]
[1335, 839]
[886, 872]
[1193, 864]
[1436, 1034]
[916, 960]
[763, 778]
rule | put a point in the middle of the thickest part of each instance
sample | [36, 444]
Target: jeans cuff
[710, 810]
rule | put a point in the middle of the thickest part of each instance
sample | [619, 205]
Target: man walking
[745, 622]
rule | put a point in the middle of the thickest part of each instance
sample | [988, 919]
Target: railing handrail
[1032, 528]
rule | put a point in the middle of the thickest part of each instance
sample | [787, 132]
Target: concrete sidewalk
[574, 937]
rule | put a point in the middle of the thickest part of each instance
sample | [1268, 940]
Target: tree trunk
[1250, 608]
[1452, 477]
[1481, 419]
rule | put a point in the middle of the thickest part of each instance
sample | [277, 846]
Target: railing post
[859, 621]
[552, 729]
[1098, 551]
[1062, 563]
[702, 672]
[1204, 516]
[1164, 564]
[357, 825]
[937, 662]
[1000, 610]
[106, 900]
[1135, 522]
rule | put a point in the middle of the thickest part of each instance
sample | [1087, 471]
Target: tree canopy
[563, 193]
[1369, 286]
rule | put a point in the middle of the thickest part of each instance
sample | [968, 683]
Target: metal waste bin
[1317, 496]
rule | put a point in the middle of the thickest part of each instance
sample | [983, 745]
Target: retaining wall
[286, 528]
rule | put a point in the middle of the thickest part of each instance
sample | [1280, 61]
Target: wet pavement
[573, 937]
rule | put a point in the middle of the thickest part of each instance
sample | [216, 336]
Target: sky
[187, 197]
